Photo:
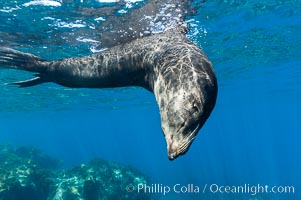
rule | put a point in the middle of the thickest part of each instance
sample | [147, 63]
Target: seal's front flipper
[31, 82]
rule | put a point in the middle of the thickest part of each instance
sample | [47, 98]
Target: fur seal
[177, 71]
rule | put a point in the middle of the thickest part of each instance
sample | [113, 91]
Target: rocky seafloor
[29, 174]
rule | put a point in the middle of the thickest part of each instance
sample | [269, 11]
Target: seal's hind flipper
[31, 82]
[10, 58]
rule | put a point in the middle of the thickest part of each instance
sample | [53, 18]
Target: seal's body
[167, 64]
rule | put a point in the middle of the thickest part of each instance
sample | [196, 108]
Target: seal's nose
[171, 150]
[171, 156]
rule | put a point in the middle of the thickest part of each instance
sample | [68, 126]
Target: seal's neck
[139, 62]
[127, 66]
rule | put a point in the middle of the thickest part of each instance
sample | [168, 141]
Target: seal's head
[181, 122]
[184, 116]
[185, 104]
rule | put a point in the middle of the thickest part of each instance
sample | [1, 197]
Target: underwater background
[252, 136]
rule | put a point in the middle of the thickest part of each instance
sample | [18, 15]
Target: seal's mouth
[175, 150]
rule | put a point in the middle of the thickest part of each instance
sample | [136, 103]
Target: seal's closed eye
[195, 108]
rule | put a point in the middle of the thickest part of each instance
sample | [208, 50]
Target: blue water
[252, 136]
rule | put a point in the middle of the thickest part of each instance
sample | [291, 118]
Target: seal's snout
[171, 156]
[171, 150]
[175, 150]
[177, 146]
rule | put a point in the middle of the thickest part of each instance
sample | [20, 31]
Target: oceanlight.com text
[251, 189]
[177, 188]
